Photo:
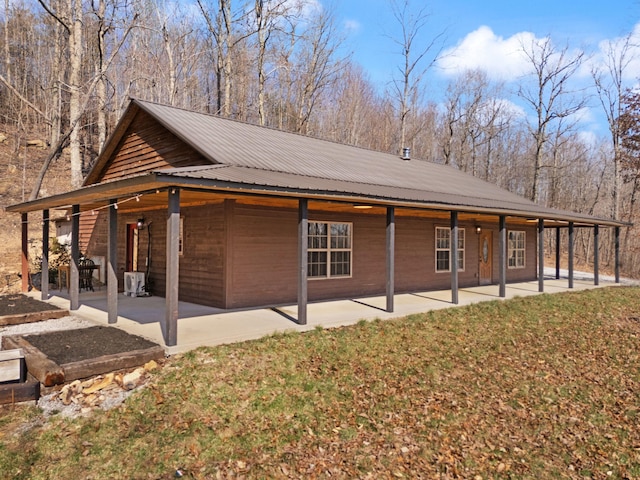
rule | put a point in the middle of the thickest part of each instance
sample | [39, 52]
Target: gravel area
[64, 323]
[50, 404]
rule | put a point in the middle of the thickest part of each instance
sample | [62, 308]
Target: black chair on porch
[85, 271]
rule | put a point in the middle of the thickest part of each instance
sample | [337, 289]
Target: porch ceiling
[149, 192]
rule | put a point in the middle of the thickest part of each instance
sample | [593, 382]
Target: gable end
[147, 146]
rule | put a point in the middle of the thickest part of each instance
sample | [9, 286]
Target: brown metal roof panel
[235, 143]
[284, 181]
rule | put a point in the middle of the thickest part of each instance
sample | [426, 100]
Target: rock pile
[103, 391]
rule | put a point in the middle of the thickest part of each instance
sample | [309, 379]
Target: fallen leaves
[531, 388]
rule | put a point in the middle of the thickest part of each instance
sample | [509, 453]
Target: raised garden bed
[54, 358]
[18, 309]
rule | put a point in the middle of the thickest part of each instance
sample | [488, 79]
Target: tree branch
[23, 99]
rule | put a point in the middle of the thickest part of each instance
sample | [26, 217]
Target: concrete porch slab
[200, 325]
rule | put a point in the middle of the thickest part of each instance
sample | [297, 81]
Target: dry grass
[540, 387]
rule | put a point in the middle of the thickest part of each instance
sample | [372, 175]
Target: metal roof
[245, 156]
[238, 144]
[232, 177]
[265, 156]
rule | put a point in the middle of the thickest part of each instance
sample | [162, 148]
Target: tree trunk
[75, 55]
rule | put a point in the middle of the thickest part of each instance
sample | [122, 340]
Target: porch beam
[303, 246]
[617, 254]
[558, 248]
[25, 252]
[571, 241]
[453, 260]
[74, 277]
[391, 247]
[112, 263]
[540, 255]
[170, 327]
[596, 255]
[502, 255]
[44, 279]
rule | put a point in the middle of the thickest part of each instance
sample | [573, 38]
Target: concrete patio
[200, 325]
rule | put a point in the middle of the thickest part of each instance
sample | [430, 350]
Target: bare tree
[609, 82]
[317, 65]
[78, 106]
[70, 15]
[550, 97]
[408, 87]
[221, 25]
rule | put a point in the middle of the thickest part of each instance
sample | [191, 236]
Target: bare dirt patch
[70, 346]
[17, 304]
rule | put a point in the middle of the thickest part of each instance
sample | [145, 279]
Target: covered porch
[207, 326]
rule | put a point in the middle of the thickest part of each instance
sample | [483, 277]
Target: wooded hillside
[68, 68]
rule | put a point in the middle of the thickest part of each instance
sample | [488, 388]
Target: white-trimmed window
[516, 248]
[443, 249]
[329, 250]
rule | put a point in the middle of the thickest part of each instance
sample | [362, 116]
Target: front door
[486, 254]
[132, 247]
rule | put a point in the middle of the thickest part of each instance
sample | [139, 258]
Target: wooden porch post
[558, 253]
[25, 252]
[44, 279]
[170, 327]
[541, 255]
[571, 254]
[502, 256]
[617, 254]
[74, 277]
[112, 263]
[391, 247]
[596, 255]
[303, 267]
[453, 260]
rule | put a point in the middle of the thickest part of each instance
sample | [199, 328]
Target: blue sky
[582, 24]
[481, 33]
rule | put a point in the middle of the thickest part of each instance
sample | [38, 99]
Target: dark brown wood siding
[146, 146]
[263, 266]
[239, 256]
[201, 264]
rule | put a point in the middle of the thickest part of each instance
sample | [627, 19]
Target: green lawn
[539, 387]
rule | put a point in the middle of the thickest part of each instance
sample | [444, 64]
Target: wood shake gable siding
[146, 146]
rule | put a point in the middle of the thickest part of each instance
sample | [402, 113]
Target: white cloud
[501, 58]
[625, 49]
[352, 26]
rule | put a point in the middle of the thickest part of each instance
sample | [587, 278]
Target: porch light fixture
[140, 223]
[478, 229]
[361, 206]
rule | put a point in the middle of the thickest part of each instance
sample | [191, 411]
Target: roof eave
[102, 192]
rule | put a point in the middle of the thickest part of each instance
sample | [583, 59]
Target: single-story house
[232, 215]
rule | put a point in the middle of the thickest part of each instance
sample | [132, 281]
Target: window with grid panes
[443, 249]
[516, 249]
[329, 250]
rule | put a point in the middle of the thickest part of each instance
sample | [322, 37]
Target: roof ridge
[141, 103]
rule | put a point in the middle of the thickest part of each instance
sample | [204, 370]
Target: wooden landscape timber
[21, 318]
[11, 393]
[45, 370]
[49, 373]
